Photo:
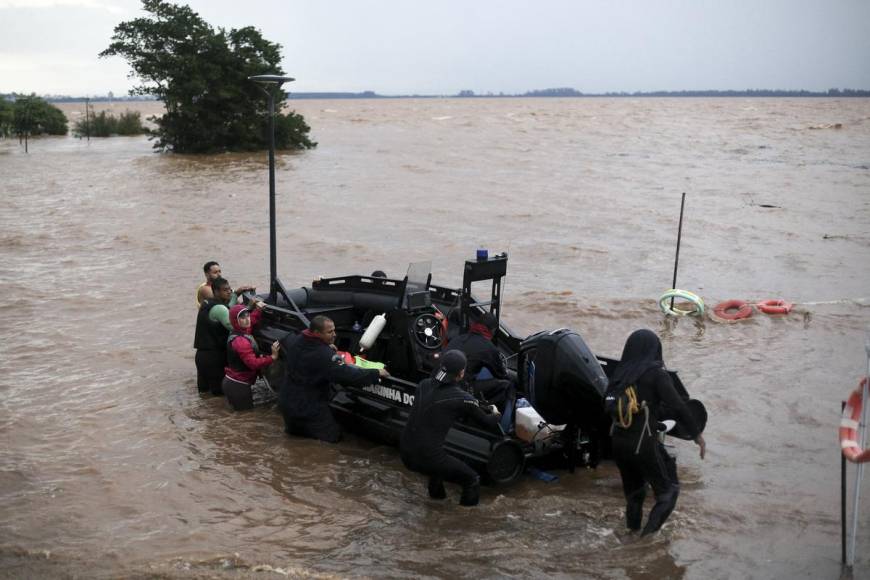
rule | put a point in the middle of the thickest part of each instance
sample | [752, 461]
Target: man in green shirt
[210, 340]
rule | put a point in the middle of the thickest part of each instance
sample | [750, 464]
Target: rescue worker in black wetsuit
[210, 339]
[439, 401]
[640, 456]
[498, 388]
[312, 365]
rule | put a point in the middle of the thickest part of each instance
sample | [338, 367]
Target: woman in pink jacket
[244, 360]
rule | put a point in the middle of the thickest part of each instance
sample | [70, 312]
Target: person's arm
[669, 396]
[246, 352]
[352, 375]
[204, 292]
[500, 370]
[256, 315]
[256, 306]
[220, 313]
[475, 413]
[496, 364]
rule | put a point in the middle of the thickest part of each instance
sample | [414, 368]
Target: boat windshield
[418, 276]
[417, 286]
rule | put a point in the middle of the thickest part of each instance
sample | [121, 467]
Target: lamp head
[276, 80]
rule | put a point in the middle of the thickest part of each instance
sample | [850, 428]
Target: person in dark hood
[486, 371]
[312, 365]
[244, 361]
[439, 401]
[637, 390]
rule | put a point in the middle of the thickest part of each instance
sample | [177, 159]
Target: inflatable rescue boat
[406, 323]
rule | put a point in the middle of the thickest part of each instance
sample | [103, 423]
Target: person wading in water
[244, 361]
[638, 389]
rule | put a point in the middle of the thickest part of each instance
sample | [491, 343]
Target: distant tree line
[745, 93]
[69, 99]
[554, 92]
[569, 92]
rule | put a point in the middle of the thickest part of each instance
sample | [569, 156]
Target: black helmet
[452, 363]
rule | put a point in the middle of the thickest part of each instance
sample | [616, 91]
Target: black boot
[436, 488]
[661, 510]
[634, 509]
[470, 494]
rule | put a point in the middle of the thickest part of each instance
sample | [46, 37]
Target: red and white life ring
[778, 306]
[849, 427]
[732, 310]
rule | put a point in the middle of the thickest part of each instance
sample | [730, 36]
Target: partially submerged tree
[31, 115]
[201, 75]
[7, 118]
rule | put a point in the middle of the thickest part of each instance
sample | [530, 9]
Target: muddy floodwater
[112, 465]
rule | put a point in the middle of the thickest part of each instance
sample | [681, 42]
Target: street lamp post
[269, 83]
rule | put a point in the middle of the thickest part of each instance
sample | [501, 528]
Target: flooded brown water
[112, 465]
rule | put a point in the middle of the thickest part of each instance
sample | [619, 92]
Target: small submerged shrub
[105, 124]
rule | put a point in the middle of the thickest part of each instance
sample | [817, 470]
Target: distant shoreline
[545, 93]
[568, 93]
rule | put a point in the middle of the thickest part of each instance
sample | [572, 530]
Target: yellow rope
[625, 416]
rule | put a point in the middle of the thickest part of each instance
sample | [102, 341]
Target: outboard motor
[564, 380]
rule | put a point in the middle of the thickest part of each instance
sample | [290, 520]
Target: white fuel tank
[531, 427]
[367, 340]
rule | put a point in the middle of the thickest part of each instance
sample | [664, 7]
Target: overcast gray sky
[444, 46]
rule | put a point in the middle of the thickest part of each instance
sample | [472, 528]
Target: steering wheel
[427, 331]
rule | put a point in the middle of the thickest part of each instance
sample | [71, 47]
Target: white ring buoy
[694, 299]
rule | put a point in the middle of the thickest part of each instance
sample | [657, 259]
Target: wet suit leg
[322, 426]
[436, 488]
[634, 508]
[633, 483]
[210, 370]
[651, 464]
[446, 468]
[666, 489]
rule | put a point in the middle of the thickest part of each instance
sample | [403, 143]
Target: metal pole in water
[273, 263]
[859, 475]
[269, 84]
[843, 498]
[679, 237]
